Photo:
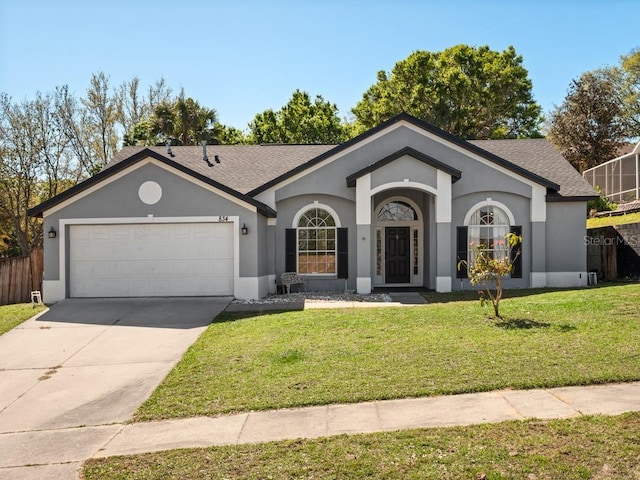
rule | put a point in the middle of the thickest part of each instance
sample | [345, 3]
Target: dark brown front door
[397, 255]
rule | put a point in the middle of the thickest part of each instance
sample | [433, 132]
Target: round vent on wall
[150, 193]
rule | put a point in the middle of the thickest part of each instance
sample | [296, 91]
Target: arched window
[316, 238]
[487, 228]
[397, 211]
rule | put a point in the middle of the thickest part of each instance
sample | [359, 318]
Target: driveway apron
[89, 362]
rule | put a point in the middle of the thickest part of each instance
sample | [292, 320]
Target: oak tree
[472, 92]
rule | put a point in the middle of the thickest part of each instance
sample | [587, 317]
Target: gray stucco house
[396, 206]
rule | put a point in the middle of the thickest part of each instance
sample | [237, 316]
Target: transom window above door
[397, 211]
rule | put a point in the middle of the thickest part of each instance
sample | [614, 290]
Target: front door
[397, 255]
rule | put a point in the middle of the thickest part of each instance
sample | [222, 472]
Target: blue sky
[242, 57]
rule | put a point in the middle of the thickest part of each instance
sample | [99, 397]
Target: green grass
[598, 222]
[579, 448]
[315, 357]
[13, 315]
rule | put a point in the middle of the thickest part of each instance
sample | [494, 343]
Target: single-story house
[397, 206]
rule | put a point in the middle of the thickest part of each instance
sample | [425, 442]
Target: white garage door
[182, 259]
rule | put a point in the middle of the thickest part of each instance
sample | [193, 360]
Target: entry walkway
[59, 453]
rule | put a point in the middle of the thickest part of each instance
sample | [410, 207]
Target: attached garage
[155, 259]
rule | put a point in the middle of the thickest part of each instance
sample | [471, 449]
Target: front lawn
[579, 448]
[312, 357]
[13, 315]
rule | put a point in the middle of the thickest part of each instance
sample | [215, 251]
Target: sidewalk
[59, 453]
[322, 421]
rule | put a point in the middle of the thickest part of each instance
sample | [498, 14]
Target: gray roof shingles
[540, 157]
[247, 167]
[242, 167]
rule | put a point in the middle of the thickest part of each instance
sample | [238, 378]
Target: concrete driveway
[89, 362]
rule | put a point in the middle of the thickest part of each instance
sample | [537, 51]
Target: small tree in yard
[487, 268]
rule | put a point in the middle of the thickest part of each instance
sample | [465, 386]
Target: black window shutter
[343, 253]
[461, 249]
[290, 245]
[517, 265]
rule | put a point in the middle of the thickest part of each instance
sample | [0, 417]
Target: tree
[488, 269]
[472, 92]
[133, 107]
[99, 121]
[35, 164]
[183, 121]
[74, 123]
[587, 128]
[299, 121]
[228, 135]
[628, 75]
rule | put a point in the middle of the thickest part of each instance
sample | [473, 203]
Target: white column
[538, 240]
[444, 257]
[443, 199]
[363, 230]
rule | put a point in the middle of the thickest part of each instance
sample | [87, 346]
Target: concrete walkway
[57, 454]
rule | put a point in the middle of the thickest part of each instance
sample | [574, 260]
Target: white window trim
[306, 208]
[296, 220]
[489, 203]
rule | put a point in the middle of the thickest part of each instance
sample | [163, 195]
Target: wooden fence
[19, 276]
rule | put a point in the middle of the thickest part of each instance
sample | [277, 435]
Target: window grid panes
[316, 242]
[488, 228]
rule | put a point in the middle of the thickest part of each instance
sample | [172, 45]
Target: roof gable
[455, 174]
[540, 157]
[134, 159]
[422, 125]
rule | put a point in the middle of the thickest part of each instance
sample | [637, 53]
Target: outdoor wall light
[52, 232]
[244, 229]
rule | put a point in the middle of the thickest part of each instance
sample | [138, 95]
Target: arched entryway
[398, 242]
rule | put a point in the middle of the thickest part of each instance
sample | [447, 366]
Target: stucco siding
[180, 198]
[403, 168]
[262, 242]
[566, 231]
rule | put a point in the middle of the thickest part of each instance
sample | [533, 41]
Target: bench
[291, 278]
